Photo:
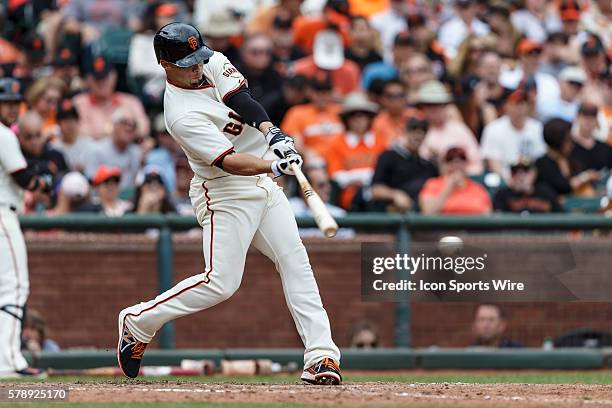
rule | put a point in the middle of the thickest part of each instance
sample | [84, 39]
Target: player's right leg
[229, 220]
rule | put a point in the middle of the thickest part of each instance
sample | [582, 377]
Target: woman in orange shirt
[454, 192]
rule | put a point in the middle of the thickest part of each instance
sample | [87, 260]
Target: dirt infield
[364, 394]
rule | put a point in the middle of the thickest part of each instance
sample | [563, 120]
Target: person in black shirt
[589, 153]
[490, 324]
[523, 195]
[555, 168]
[361, 50]
[400, 172]
[284, 51]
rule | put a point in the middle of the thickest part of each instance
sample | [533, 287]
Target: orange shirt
[471, 198]
[312, 127]
[608, 115]
[351, 162]
[367, 7]
[345, 79]
[391, 128]
[306, 28]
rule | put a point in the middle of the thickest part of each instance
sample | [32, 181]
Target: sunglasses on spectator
[520, 168]
[576, 84]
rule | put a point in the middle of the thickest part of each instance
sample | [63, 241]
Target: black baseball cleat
[323, 372]
[129, 350]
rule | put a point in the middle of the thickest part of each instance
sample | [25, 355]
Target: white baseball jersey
[204, 126]
[11, 160]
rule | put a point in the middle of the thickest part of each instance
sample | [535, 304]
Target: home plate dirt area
[361, 394]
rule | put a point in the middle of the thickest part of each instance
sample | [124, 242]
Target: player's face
[9, 112]
[189, 76]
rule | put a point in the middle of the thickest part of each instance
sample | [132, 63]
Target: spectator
[314, 124]
[265, 84]
[523, 195]
[596, 19]
[588, 152]
[328, 58]
[218, 32]
[536, 20]
[76, 149]
[106, 183]
[119, 150]
[596, 65]
[569, 11]
[263, 19]
[403, 47]
[454, 192]
[444, 132]
[97, 106]
[365, 336]
[66, 67]
[142, 64]
[452, 33]
[94, 17]
[294, 92]
[40, 156]
[362, 49]
[555, 168]
[73, 196]
[489, 325]
[546, 85]
[163, 156]
[484, 95]
[391, 120]
[152, 196]
[352, 156]
[506, 34]
[512, 137]
[571, 82]
[335, 15]
[400, 172]
[414, 72]
[390, 22]
[284, 51]
[43, 97]
[425, 43]
[465, 64]
[34, 335]
[319, 179]
[557, 54]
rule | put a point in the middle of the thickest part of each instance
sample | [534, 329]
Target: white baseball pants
[14, 289]
[235, 211]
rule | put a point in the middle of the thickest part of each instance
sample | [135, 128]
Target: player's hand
[283, 166]
[281, 144]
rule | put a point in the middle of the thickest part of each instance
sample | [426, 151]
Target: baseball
[450, 245]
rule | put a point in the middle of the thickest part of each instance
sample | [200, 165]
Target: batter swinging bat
[324, 220]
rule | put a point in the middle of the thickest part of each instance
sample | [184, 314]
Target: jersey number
[234, 128]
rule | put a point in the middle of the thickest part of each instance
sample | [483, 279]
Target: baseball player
[225, 134]
[14, 283]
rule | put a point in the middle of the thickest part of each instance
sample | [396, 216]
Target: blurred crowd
[447, 106]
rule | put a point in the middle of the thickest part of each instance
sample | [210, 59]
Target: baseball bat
[322, 217]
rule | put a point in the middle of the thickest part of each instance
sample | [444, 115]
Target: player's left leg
[14, 289]
[278, 239]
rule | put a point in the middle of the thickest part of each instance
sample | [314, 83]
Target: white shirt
[388, 23]
[506, 144]
[536, 30]
[452, 33]
[206, 128]
[78, 154]
[11, 160]
[547, 86]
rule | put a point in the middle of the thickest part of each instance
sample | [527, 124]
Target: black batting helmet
[10, 90]
[180, 44]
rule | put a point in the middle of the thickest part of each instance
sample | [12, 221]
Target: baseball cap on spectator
[569, 10]
[166, 10]
[433, 92]
[100, 67]
[66, 110]
[455, 153]
[105, 173]
[10, 90]
[522, 164]
[64, 57]
[588, 109]
[149, 174]
[357, 102]
[74, 185]
[222, 23]
[592, 46]
[573, 74]
[518, 95]
[526, 46]
[328, 51]
[34, 46]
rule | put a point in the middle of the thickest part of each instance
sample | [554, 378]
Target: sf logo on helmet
[193, 42]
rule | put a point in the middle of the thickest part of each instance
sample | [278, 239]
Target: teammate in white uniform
[14, 283]
[211, 115]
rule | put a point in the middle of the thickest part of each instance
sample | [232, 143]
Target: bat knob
[331, 232]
